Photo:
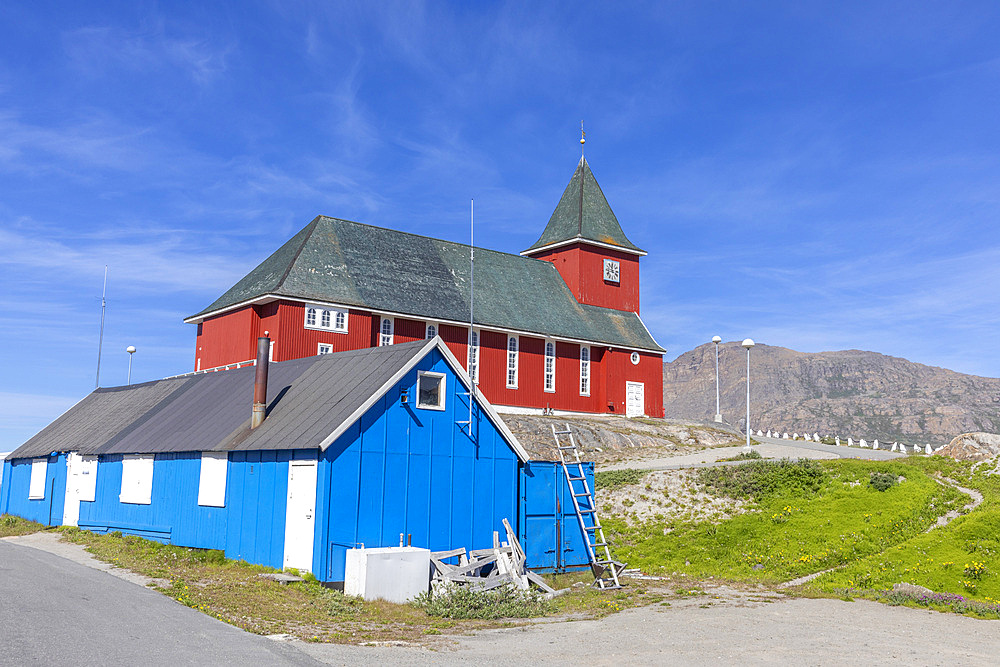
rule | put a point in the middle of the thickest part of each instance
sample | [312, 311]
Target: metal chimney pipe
[260, 382]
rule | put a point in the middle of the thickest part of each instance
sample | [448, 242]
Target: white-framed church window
[612, 271]
[473, 361]
[512, 346]
[212, 480]
[137, 480]
[584, 370]
[430, 331]
[634, 358]
[550, 366]
[385, 332]
[324, 348]
[326, 318]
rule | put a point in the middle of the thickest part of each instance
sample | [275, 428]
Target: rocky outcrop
[848, 393]
[973, 447]
[603, 439]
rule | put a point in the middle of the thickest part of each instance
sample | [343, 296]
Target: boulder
[973, 447]
[911, 589]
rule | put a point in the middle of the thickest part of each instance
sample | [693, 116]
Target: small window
[430, 391]
[340, 321]
[611, 271]
[431, 331]
[324, 320]
[634, 358]
[324, 348]
[550, 366]
[137, 480]
[385, 335]
[310, 317]
[39, 476]
[473, 363]
[584, 370]
[212, 483]
[512, 362]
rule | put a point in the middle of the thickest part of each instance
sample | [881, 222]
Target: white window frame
[431, 329]
[635, 358]
[326, 318]
[550, 367]
[472, 360]
[383, 337]
[324, 348]
[585, 370]
[442, 391]
[88, 478]
[39, 479]
[513, 345]
[612, 271]
[212, 479]
[137, 479]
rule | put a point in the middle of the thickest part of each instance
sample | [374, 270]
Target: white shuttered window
[512, 362]
[212, 484]
[550, 366]
[137, 480]
[584, 370]
[39, 472]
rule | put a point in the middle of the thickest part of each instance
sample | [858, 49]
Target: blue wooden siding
[173, 514]
[14, 493]
[256, 497]
[549, 529]
[406, 470]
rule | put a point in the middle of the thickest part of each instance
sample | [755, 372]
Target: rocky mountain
[848, 393]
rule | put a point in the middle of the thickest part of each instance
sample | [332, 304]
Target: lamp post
[131, 350]
[718, 413]
[748, 343]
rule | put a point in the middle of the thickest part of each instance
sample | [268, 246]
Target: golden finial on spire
[583, 137]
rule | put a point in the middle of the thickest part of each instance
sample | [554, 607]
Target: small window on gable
[326, 318]
[430, 390]
[324, 348]
[611, 270]
[137, 480]
[39, 472]
[431, 331]
[385, 332]
[212, 483]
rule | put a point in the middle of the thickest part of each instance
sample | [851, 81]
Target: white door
[300, 515]
[74, 474]
[635, 399]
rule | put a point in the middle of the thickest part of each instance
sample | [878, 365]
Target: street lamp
[131, 350]
[718, 413]
[748, 343]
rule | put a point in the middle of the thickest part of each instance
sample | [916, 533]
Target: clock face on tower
[611, 270]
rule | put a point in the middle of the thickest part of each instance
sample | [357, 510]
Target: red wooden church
[556, 327]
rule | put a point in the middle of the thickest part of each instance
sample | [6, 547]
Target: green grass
[816, 516]
[612, 479]
[13, 526]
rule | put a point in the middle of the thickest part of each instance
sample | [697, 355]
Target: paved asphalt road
[54, 611]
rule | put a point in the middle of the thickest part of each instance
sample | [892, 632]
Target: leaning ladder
[605, 568]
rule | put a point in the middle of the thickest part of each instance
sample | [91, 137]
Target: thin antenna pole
[100, 342]
[472, 291]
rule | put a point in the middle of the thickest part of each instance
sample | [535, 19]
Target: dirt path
[943, 520]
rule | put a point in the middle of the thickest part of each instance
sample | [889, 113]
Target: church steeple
[583, 215]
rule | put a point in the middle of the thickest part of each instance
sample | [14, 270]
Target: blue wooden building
[357, 448]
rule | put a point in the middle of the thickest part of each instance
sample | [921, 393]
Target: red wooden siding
[230, 338]
[582, 267]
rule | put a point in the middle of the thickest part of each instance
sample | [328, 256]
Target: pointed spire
[583, 214]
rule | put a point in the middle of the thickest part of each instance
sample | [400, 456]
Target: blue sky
[815, 176]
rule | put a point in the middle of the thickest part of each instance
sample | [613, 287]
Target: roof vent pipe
[260, 382]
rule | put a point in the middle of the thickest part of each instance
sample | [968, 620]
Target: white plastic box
[396, 574]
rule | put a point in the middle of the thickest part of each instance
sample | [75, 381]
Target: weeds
[759, 480]
[612, 479]
[503, 602]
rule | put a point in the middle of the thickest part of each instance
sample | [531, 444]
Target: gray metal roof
[353, 264]
[308, 399]
[583, 214]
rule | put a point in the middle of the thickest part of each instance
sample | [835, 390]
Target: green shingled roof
[353, 264]
[583, 214]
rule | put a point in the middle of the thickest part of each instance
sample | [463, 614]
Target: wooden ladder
[606, 570]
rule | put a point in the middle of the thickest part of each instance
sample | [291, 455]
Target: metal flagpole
[472, 291]
[100, 342]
